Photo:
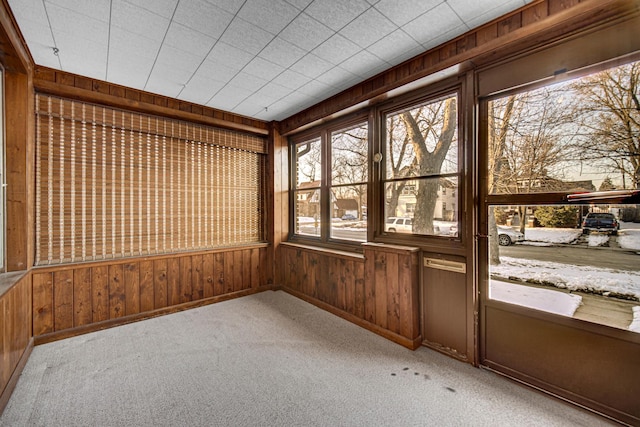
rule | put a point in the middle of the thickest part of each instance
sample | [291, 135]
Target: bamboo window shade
[114, 184]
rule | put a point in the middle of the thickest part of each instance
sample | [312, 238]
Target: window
[562, 202]
[114, 184]
[422, 154]
[331, 174]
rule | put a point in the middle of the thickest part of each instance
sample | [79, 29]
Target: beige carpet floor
[268, 359]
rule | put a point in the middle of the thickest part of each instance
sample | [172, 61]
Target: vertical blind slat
[113, 184]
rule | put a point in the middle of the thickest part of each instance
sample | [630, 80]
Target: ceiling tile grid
[265, 59]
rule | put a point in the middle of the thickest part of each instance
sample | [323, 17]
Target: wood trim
[85, 329]
[536, 24]
[14, 54]
[91, 264]
[67, 85]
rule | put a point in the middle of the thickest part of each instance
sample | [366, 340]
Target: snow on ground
[635, 324]
[598, 239]
[540, 299]
[629, 239]
[567, 276]
[552, 235]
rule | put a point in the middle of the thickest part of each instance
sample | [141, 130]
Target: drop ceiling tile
[363, 64]
[177, 76]
[299, 4]
[405, 55]
[335, 14]
[124, 44]
[394, 45]
[305, 32]
[203, 17]
[311, 66]
[316, 89]
[249, 108]
[262, 68]
[270, 15]
[164, 8]
[95, 9]
[138, 20]
[246, 36]
[231, 6]
[188, 39]
[282, 52]
[130, 73]
[172, 57]
[66, 21]
[230, 56]
[338, 77]
[43, 55]
[37, 33]
[247, 82]
[228, 97]
[291, 79]
[161, 86]
[409, 10]
[429, 25]
[29, 9]
[84, 58]
[216, 71]
[271, 91]
[200, 90]
[336, 49]
[368, 28]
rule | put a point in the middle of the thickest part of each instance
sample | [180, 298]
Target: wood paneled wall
[538, 22]
[378, 291]
[15, 335]
[76, 298]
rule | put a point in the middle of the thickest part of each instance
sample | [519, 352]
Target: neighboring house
[345, 206]
[445, 208]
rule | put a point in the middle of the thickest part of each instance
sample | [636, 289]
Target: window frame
[324, 132]
[453, 86]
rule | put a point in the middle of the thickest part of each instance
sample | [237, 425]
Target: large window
[563, 214]
[422, 169]
[113, 184]
[329, 192]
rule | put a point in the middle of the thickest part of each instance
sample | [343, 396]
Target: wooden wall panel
[72, 296]
[42, 303]
[379, 292]
[15, 331]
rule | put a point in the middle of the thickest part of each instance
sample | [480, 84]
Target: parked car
[348, 217]
[508, 236]
[394, 224]
[600, 221]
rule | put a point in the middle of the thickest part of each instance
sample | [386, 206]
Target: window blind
[113, 184]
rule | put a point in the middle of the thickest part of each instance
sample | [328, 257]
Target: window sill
[8, 280]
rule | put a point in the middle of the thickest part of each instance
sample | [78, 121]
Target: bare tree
[433, 124]
[607, 108]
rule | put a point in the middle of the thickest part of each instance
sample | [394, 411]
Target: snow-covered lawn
[552, 235]
[548, 300]
[635, 324]
[603, 281]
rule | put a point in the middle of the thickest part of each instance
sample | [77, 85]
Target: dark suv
[596, 221]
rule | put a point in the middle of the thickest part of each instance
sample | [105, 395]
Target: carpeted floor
[264, 360]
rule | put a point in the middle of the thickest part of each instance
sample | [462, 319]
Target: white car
[394, 224]
[508, 236]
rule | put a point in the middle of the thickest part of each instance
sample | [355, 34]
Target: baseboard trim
[13, 380]
[98, 326]
[409, 343]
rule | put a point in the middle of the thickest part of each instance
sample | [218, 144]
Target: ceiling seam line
[106, 70]
[155, 61]
[53, 37]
